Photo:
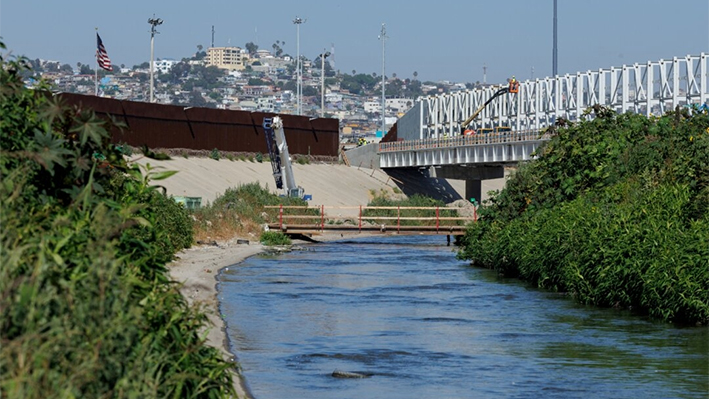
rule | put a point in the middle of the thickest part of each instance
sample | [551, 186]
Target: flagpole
[96, 71]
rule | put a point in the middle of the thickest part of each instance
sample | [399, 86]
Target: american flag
[101, 55]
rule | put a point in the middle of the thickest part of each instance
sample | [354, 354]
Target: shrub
[88, 308]
[274, 238]
[614, 212]
[215, 154]
[239, 210]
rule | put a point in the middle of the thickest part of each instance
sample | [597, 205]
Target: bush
[215, 155]
[274, 238]
[239, 210]
[614, 211]
[88, 308]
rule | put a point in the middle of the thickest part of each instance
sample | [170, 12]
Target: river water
[423, 324]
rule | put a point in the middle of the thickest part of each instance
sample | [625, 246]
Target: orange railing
[301, 219]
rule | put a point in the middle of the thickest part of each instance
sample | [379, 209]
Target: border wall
[173, 126]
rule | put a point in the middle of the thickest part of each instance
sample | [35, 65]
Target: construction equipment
[512, 88]
[280, 158]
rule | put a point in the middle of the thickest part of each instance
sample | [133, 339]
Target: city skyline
[452, 40]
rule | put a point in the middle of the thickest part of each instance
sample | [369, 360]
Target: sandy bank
[196, 268]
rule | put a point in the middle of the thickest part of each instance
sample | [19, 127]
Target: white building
[266, 104]
[164, 66]
[396, 105]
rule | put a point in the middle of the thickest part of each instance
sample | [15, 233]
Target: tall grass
[240, 211]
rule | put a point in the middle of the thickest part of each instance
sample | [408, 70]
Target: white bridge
[508, 129]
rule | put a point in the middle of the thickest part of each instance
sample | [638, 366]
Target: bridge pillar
[473, 189]
[473, 176]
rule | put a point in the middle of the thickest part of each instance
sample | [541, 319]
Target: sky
[440, 40]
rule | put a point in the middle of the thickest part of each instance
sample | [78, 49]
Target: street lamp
[153, 23]
[383, 36]
[299, 80]
[322, 82]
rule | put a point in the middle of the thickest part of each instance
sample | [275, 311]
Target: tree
[395, 88]
[258, 82]
[85, 70]
[278, 48]
[310, 91]
[66, 68]
[196, 99]
[251, 48]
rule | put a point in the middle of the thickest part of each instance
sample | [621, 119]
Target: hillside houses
[233, 78]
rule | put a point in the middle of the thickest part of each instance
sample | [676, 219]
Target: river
[422, 324]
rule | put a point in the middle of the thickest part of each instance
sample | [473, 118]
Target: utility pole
[484, 74]
[153, 23]
[322, 82]
[554, 69]
[383, 36]
[299, 79]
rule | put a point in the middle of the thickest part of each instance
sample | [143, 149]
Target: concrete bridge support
[473, 176]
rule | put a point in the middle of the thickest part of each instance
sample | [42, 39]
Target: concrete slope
[329, 184]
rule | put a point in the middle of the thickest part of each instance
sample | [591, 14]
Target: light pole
[554, 58]
[299, 80]
[322, 82]
[383, 36]
[153, 23]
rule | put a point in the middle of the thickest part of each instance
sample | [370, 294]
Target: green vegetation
[215, 154]
[413, 201]
[274, 238]
[86, 305]
[615, 211]
[240, 211]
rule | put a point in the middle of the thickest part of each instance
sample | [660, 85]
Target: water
[426, 325]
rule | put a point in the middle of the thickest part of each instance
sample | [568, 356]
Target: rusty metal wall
[170, 126]
[392, 134]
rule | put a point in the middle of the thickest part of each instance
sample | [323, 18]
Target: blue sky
[441, 39]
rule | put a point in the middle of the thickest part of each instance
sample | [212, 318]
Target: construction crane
[513, 87]
[280, 158]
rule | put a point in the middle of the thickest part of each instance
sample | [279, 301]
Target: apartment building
[232, 58]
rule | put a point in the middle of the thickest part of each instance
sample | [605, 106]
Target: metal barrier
[499, 137]
[315, 220]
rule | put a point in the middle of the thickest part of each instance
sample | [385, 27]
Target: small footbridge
[387, 220]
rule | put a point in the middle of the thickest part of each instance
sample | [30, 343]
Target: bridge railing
[481, 138]
[383, 219]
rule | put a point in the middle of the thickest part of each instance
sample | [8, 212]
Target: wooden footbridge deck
[306, 220]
